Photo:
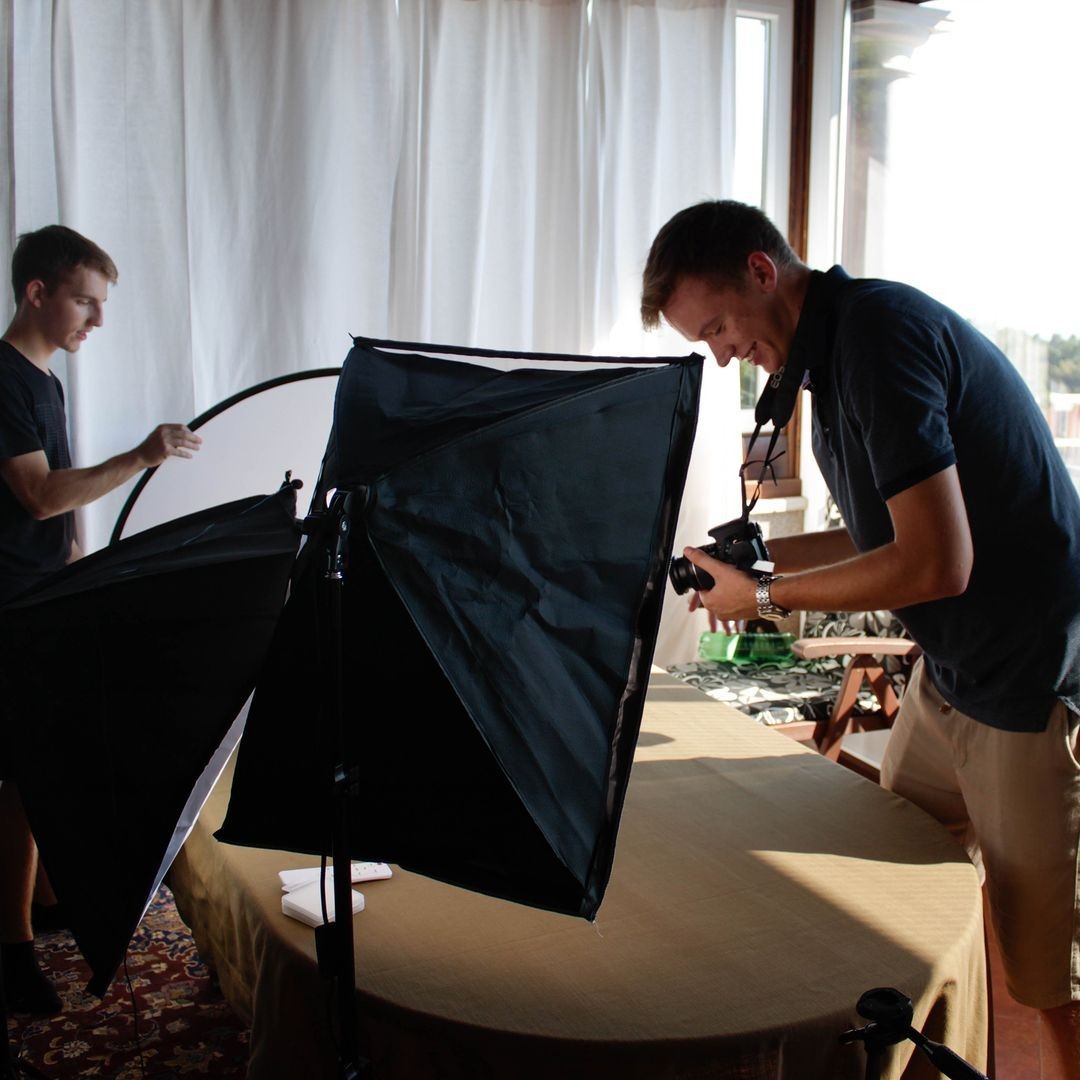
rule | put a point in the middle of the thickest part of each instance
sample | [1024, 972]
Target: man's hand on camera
[733, 596]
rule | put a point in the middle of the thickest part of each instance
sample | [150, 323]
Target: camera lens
[685, 576]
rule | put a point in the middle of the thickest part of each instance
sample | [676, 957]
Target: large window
[763, 63]
[960, 175]
[763, 44]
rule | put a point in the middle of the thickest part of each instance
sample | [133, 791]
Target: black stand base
[890, 1013]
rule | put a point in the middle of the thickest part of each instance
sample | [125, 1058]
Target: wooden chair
[846, 736]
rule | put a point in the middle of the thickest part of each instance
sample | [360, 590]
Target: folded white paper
[361, 871]
[304, 903]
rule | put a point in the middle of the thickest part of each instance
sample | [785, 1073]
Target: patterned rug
[185, 1026]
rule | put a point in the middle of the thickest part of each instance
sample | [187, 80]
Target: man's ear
[35, 292]
[762, 270]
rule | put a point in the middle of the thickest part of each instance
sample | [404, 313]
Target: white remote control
[361, 871]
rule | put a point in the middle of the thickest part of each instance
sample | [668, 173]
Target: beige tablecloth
[757, 891]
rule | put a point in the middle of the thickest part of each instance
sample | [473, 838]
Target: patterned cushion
[770, 693]
[852, 624]
[780, 694]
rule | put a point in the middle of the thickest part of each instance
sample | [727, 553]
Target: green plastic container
[747, 648]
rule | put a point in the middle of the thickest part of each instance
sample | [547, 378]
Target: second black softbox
[503, 589]
[120, 677]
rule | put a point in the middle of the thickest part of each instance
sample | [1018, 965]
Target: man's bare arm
[807, 551]
[45, 492]
[930, 557]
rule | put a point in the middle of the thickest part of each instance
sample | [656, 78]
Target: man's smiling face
[741, 322]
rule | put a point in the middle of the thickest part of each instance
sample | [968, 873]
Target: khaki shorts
[1013, 799]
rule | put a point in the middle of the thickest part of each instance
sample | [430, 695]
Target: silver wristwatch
[766, 609]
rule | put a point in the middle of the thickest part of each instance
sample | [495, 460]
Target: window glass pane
[751, 108]
[751, 128]
[961, 174]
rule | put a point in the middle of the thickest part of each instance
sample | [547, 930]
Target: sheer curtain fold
[291, 150]
[270, 178]
[238, 162]
[492, 174]
[661, 127]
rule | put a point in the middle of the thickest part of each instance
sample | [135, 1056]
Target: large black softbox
[501, 601]
[120, 677]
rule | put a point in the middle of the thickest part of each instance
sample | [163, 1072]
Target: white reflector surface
[248, 444]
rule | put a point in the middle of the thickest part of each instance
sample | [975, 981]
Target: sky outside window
[963, 166]
[983, 165]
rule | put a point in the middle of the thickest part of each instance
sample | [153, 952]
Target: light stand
[890, 1014]
[334, 941]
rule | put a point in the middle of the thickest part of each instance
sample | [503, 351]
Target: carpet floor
[185, 1027]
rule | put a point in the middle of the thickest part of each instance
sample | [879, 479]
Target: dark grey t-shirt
[31, 418]
[903, 388]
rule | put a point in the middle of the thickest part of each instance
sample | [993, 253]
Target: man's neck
[32, 345]
[795, 283]
[791, 287]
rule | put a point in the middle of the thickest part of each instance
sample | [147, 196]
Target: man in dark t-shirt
[960, 517]
[61, 282]
[31, 419]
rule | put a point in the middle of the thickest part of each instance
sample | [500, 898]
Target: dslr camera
[737, 542]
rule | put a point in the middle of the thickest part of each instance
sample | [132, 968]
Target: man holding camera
[61, 282]
[960, 517]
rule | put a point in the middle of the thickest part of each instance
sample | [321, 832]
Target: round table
[757, 891]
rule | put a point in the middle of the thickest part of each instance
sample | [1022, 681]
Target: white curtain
[661, 124]
[489, 197]
[271, 176]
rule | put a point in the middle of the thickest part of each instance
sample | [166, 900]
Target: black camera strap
[776, 404]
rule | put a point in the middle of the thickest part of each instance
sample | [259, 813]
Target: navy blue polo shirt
[903, 387]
